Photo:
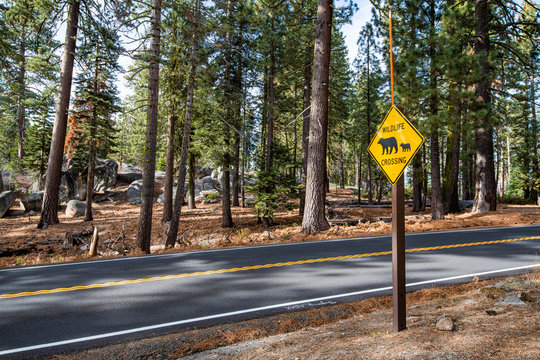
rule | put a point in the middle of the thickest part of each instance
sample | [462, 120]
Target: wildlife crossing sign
[395, 143]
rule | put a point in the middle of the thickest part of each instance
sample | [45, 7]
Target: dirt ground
[479, 326]
[21, 243]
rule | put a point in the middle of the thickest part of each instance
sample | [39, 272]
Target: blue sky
[352, 30]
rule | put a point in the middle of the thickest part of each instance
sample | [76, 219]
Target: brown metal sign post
[393, 146]
[398, 233]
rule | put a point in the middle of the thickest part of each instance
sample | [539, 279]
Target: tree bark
[226, 215]
[92, 156]
[314, 219]
[191, 174]
[359, 175]
[49, 209]
[453, 197]
[149, 166]
[169, 168]
[417, 184]
[305, 124]
[180, 191]
[486, 188]
[437, 206]
[21, 113]
[236, 172]
[534, 135]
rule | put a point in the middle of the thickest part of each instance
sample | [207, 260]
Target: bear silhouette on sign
[405, 147]
[388, 145]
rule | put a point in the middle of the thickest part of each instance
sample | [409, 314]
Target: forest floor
[21, 243]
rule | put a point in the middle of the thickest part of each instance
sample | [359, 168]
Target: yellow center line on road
[253, 267]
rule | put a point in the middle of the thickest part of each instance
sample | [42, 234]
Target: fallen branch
[94, 244]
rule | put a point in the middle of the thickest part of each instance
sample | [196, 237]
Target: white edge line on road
[186, 253]
[247, 311]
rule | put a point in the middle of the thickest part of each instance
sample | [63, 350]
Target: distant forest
[264, 89]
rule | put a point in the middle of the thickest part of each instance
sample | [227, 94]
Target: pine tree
[314, 219]
[49, 210]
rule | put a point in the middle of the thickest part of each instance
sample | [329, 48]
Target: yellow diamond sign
[395, 143]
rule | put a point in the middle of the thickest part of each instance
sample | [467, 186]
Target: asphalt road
[50, 309]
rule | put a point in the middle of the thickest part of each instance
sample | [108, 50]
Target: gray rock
[464, 204]
[128, 178]
[74, 178]
[445, 323]
[8, 184]
[75, 208]
[511, 300]
[32, 201]
[6, 200]
[134, 192]
[513, 284]
[201, 172]
[105, 174]
[208, 183]
[159, 175]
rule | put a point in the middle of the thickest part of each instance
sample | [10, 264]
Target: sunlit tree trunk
[314, 219]
[149, 165]
[49, 208]
[486, 188]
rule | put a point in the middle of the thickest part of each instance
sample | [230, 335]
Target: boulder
[159, 175]
[201, 172]
[128, 178]
[73, 179]
[208, 183]
[134, 192]
[160, 199]
[75, 208]
[6, 181]
[6, 200]
[32, 201]
[105, 174]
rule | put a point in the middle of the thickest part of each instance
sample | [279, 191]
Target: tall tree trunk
[359, 176]
[418, 204]
[169, 167]
[534, 135]
[314, 219]
[368, 119]
[191, 174]
[341, 168]
[236, 171]
[437, 206]
[92, 156]
[180, 191]
[21, 113]
[149, 166]
[49, 208]
[305, 124]
[425, 176]
[453, 195]
[226, 215]
[486, 188]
